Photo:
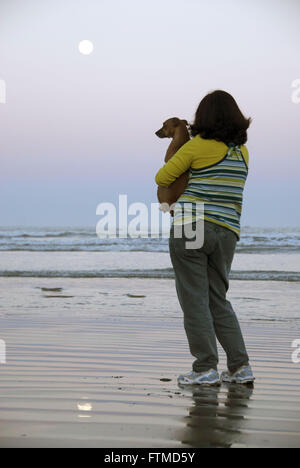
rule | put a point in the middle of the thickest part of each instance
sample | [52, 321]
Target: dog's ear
[175, 121]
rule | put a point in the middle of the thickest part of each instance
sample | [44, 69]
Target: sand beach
[93, 362]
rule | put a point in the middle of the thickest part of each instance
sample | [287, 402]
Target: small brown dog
[176, 129]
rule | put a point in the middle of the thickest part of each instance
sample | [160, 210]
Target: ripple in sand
[55, 290]
[60, 297]
[134, 295]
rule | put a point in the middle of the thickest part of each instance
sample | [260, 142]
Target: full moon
[86, 47]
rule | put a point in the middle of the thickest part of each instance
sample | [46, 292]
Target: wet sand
[94, 363]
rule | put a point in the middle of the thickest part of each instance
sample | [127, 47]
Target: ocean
[71, 239]
[262, 254]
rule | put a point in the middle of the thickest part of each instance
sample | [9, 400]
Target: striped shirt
[217, 192]
[214, 191]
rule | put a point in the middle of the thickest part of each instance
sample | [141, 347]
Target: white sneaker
[243, 375]
[207, 378]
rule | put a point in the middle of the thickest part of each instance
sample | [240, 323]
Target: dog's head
[169, 126]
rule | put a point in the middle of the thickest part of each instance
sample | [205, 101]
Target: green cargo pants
[202, 281]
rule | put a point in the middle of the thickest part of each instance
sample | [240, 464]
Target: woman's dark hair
[218, 117]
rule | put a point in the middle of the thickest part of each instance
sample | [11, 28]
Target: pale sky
[78, 130]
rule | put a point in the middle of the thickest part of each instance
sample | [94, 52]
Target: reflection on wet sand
[91, 372]
[218, 416]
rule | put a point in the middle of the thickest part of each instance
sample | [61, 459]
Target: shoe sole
[217, 383]
[239, 381]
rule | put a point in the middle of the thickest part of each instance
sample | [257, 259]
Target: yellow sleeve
[177, 165]
[245, 154]
[197, 153]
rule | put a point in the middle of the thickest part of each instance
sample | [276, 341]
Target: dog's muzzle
[160, 133]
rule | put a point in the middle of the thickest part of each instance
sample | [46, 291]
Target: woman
[217, 159]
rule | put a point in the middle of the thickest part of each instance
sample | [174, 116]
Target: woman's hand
[171, 194]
